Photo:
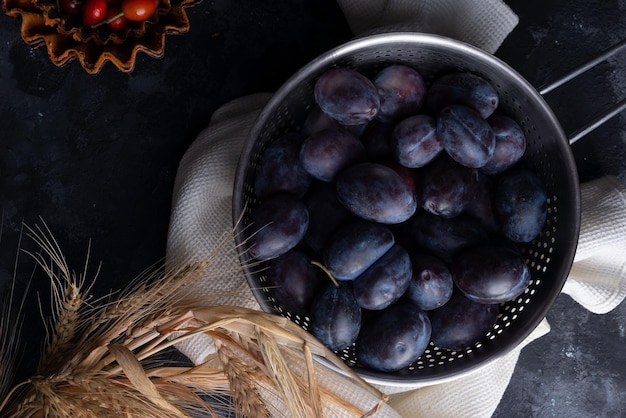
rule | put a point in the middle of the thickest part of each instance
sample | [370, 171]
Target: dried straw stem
[10, 327]
[68, 298]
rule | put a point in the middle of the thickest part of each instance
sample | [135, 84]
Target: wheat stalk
[103, 360]
[11, 322]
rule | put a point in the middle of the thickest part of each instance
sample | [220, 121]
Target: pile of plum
[392, 218]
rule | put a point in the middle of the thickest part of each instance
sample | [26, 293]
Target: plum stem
[328, 273]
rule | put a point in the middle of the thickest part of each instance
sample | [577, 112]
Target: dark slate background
[95, 156]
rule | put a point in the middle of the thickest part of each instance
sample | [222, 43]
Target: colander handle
[604, 116]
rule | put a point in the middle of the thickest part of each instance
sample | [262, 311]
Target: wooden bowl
[66, 38]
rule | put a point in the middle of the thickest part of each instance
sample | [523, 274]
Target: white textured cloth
[597, 279]
[482, 23]
[201, 211]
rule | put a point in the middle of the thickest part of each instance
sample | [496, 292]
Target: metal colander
[548, 153]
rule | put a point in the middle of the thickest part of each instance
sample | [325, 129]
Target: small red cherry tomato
[139, 10]
[94, 11]
[120, 21]
[71, 6]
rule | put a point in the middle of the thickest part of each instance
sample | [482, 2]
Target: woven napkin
[597, 279]
[202, 197]
[482, 23]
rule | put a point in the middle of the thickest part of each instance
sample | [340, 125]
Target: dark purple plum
[354, 247]
[293, 281]
[465, 135]
[316, 120]
[377, 140]
[520, 204]
[278, 224]
[446, 237]
[415, 142]
[279, 168]
[335, 316]
[347, 96]
[431, 283]
[480, 202]
[375, 192]
[402, 92]
[445, 187]
[326, 152]
[490, 273]
[385, 281]
[411, 176]
[510, 144]
[403, 235]
[461, 322]
[463, 88]
[393, 338]
[326, 214]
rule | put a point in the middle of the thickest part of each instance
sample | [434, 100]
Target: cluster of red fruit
[114, 13]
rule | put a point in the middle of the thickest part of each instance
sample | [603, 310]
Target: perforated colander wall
[549, 256]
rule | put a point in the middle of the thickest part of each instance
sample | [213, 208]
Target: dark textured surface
[96, 156]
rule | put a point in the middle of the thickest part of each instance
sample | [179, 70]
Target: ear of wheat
[102, 358]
